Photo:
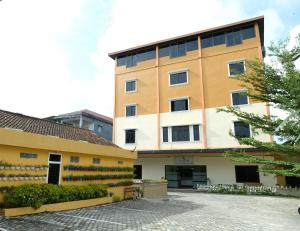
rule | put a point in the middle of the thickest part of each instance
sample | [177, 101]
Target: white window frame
[136, 85]
[134, 137]
[191, 131]
[55, 162]
[238, 91]
[179, 98]
[176, 72]
[128, 105]
[235, 61]
[233, 130]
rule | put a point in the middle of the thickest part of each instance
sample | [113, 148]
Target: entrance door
[54, 168]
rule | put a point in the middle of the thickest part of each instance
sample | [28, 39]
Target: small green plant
[116, 198]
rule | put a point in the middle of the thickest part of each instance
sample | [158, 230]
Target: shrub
[36, 195]
[116, 198]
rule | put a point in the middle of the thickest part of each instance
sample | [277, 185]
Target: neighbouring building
[34, 150]
[100, 124]
[166, 98]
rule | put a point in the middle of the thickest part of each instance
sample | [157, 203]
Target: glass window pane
[164, 51]
[174, 50]
[130, 110]
[121, 61]
[180, 133]
[130, 86]
[181, 49]
[218, 39]
[229, 39]
[237, 37]
[129, 62]
[236, 68]
[206, 41]
[196, 132]
[239, 98]
[165, 134]
[192, 44]
[178, 78]
[130, 136]
[241, 129]
[248, 32]
[179, 105]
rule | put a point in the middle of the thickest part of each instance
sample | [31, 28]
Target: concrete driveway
[182, 211]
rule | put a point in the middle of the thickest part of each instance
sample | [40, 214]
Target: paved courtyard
[182, 211]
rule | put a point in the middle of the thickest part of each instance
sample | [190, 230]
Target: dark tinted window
[178, 78]
[196, 132]
[239, 98]
[233, 38]
[121, 61]
[192, 44]
[180, 133]
[146, 55]
[28, 155]
[177, 50]
[236, 68]
[241, 129]
[131, 110]
[181, 49]
[130, 85]
[247, 174]
[96, 160]
[206, 41]
[248, 32]
[53, 157]
[179, 105]
[74, 159]
[164, 51]
[218, 39]
[165, 134]
[130, 136]
[129, 61]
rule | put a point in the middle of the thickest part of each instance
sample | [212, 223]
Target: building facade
[101, 125]
[34, 151]
[166, 98]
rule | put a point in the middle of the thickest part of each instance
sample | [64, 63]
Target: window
[192, 44]
[180, 133]
[130, 136]
[121, 61]
[196, 132]
[130, 110]
[179, 105]
[241, 129]
[164, 51]
[239, 98]
[137, 172]
[233, 38]
[165, 134]
[130, 85]
[178, 78]
[218, 39]
[247, 174]
[99, 128]
[146, 55]
[54, 157]
[120, 162]
[28, 155]
[248, 32]
[236, 68]
[177, 50]
[96, 160]
[206, 41]
[74, 159]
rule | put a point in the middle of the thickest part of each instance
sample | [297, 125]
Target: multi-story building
[166, 98]
[99, 124]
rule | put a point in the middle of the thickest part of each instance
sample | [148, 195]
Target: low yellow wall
[13, 142]
[56, 207]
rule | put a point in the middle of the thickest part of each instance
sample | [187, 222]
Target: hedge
[36, 195]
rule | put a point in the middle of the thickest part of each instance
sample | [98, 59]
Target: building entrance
[182, 176]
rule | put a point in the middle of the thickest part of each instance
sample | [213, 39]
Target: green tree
[278, 84]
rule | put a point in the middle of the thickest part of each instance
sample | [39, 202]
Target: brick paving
[182, 211]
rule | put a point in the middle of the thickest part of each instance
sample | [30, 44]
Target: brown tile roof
[45, 127]
[88, 113]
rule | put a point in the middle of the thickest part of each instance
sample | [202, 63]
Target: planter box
[11, 212]
[155, 190]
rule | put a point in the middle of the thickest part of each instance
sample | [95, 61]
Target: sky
[53, 53]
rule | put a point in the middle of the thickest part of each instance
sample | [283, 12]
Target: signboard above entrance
[184, 160]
